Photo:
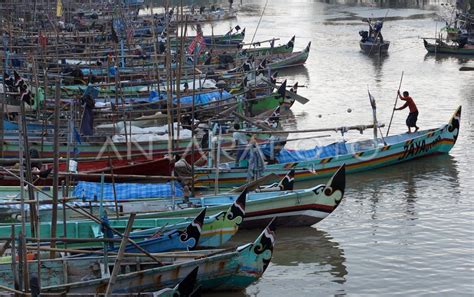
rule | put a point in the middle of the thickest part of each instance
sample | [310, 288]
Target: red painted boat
[91, 170]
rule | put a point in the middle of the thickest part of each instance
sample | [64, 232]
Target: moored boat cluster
[135, 145]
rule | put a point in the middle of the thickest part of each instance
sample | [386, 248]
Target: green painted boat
[269, 102]
[216, 230]
[442, 48]
[268, 51]
[292, 60]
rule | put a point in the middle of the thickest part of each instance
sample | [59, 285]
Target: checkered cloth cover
[126, 191]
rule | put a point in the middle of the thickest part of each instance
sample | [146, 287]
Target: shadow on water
[314, 247]
[295, 73]
[461, 59]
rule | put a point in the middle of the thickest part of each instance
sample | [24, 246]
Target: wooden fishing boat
[358, 156]
[290, 207]
[372, 41]
[268, 51]
[216, 229]
[230, 38]
[374, 48]
[270, 102]
[218, 271]
[173, 240]
[286, 61]
[97, 149]
[186, 287]
[207, 16]
[91, 170]
[440, 47]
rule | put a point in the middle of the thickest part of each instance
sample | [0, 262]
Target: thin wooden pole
[113, 187]
[261, 16]
[14, 253]
[12, 290]
[394, 105]
[118, 260]
[218, 160]
[355, 127]
[22, 243]
[28, 176]
[54, 210]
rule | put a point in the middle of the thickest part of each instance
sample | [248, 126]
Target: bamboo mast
[54, 211]
[22, 243]
[120, 255]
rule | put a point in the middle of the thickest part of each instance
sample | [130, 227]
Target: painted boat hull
[216, 230]
[446, 49]
[295, 59]
[416, 145]
[107, 148]
[270, 103]
[234, 270]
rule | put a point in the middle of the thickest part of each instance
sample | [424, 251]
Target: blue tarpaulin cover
[318, 152]
[204, 98]
[126, 191]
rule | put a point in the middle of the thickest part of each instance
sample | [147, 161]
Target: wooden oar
[295, 96]
[253, 185]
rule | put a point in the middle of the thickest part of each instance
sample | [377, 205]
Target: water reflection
[315, 246]
[377, 63]
[461, 59]
[298, 73]
[386, 3]
[410, 196]
[408, 178]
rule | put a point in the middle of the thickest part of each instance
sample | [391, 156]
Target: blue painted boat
[172, 240]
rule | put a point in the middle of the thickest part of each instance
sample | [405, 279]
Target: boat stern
[451, 132]
[454, 124]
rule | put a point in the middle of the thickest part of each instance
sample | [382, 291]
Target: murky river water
[402, 230]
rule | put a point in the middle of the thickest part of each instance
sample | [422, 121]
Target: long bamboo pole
[394, 105]
[356, 127]
[118, 260]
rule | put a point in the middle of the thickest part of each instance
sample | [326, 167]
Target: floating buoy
[349, 110]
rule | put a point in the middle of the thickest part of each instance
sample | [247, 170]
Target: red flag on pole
[197, 41]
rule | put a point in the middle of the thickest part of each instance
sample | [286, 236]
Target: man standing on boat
[413, 115]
